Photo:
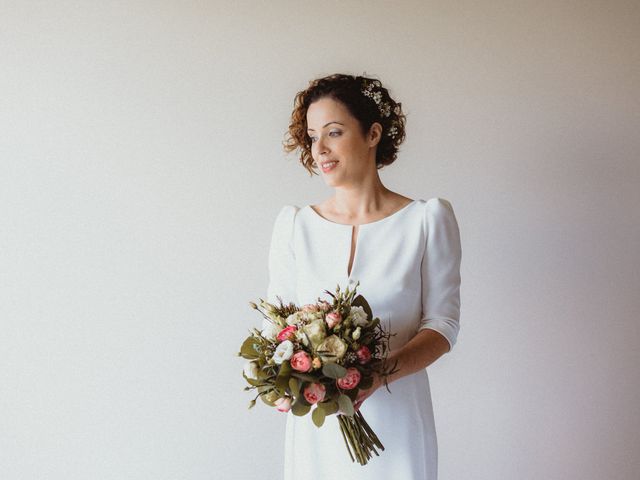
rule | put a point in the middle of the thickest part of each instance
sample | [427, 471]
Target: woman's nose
[321, 145]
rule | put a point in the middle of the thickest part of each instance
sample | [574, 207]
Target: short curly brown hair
[348, 90]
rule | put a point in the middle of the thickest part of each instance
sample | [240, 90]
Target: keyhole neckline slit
[349, 274]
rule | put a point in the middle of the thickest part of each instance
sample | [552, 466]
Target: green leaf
[305, 377]
[294, 386]
[255, 383]
[300, 408]
[346, 405]
[352, 394]
[282, 380]
[247, 350]
[329, 407]
[318, 415]
[333, 370]
[270, 397]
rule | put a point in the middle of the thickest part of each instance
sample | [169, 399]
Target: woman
[405, 253]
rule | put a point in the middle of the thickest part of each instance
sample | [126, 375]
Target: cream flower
[283, 352]
[270, 331]
[356, 333]
[251, 370]
[295, 318]
[316, 332]
[358, 316]
[302, 338]
[332, 345]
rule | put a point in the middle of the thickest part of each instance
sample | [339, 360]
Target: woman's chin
[331, 181]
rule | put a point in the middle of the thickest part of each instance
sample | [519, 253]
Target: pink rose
[287, 333]
[301, 361]
[350, 380]
[364, 354]
[314, 393]
[283, 404]
[333, 319]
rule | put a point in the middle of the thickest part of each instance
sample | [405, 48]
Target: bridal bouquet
[316, 358]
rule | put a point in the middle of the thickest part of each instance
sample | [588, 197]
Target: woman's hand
[364, 394]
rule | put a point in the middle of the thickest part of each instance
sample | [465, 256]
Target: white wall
[141, 170]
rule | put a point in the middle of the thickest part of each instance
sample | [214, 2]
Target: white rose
[316, 332]
[358, 316]
[309, 317]
[294, 319]
[302, 337]
[251, 370]
[283, 352]
[356, 333]
[270, 331]
[332, 349]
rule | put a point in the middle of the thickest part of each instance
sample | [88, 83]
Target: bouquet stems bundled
[359, 438]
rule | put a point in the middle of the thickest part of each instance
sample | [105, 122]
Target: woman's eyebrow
[312, 130]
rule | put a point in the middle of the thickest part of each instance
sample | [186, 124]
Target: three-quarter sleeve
[440, 271]
[282, 262]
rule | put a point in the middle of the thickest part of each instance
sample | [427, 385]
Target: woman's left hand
[364, 394]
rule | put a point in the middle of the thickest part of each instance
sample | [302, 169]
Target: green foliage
[346, 405]
[304, 376]
[333, 370]
[282, 380]
[294, 386]
[247, 350]
[318, 415]
[300, 407]
[330, 407]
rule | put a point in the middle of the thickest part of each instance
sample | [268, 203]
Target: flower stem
[359, 438]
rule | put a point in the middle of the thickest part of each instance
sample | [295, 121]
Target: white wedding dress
[408, 265]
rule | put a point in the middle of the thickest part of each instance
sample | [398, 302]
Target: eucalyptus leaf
[282, 380]
[255, 383]
[330, 407]
[299, 408]
[318, 416]
[333, 370]
[294, 386]
[346, 406]
[304, 376]
[285, 368]
[270, 397]
[247, 349]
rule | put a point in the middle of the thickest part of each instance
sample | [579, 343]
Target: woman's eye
[337, 133]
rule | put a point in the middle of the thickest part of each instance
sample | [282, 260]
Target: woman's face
[336, 137]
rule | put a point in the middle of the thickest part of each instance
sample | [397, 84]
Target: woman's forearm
[418, 353]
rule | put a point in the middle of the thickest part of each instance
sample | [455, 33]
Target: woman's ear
[375, 134]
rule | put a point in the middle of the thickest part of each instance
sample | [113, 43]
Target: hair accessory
[383, 107]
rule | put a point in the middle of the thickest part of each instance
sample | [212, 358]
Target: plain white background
[141, 170]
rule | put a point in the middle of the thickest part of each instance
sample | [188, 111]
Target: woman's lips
[328, 166]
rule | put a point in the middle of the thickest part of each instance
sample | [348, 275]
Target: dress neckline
[331, 222]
